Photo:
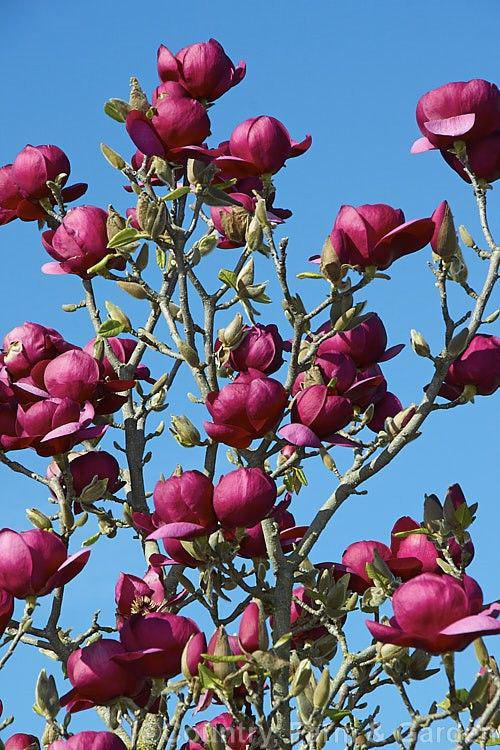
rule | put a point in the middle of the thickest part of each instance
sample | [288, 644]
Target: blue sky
[349, 73]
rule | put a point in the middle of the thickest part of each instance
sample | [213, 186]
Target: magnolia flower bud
[219, 646]
[184, 431]
[46, 697]
[330, 264]
[388, 652]
[114, 223]
[191, 656]
[254, 234]
[322, 692]
[189, 354]
[39, 519]
[444, 240]
[301, 678]
[419, 344]
[466, 236]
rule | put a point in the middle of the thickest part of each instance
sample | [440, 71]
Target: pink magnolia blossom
[478, 366]
[261, 349]
[33, 563]
[97, 677]
[80, 242]
[365, 343]
[437, 613]
[90, 741]
[252, 631]
[24, 183]
[388, 406]
[320, 409]
[259, 146]
[154, 643]
[467, 111]
[203, 69]
[245, 409]
[22, 742]
[179, 122]
[184, 506]
[244, 497]
[377, 235]
[27, 345]
[53, 426]
[234, 736]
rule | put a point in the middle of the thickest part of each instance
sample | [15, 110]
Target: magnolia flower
[203, 69]
[437, 613]
[34, 563]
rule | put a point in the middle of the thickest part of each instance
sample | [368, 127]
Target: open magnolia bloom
[437, 613]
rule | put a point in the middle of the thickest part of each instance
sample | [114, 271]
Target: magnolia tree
[277, 668]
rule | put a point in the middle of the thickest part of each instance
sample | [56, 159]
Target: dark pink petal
[300, 147]
[68, 570]
[388, 634]
[181, 530]
[228, 434]
[73, 192]
[233, 166]
[168, 65]
[392, 352]
[341, 442]
[143, 134]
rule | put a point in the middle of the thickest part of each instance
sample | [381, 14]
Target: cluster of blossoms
[51, 391]
[55, 395]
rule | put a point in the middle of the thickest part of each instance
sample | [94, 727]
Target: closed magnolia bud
[322, 692]
[330, 264]
[419, 344]
[213, 739]
[135, 290]
[219, 646]
[112, 157]
[458, 343]
[189, 354]
[159, 222]
[114, 223]
[444, 240]
[301, 678]
[143, 209]
[387, 652]
[254, 234]
[261, 212]
[466, 236]
[191, 656]
[195, 171]
[39, 519]
[252, 632]
[185, 432]
[46, 697]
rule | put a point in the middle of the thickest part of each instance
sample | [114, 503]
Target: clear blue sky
[350, 73]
